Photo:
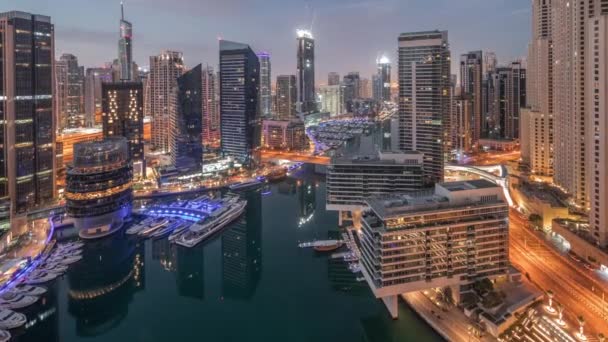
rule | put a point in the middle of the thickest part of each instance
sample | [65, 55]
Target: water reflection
[242, 251]
[102, 284]
[190, 272]
[43, 320]
[308, 201]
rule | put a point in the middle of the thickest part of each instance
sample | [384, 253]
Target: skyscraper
[508, 94]
[164, 71]
[287, 93]
[332, 99]
[92, 93]
[471, 68]
[333, 78]
[125, 48]
[265, 84]
[186, 122]
[424, 98]
[211, 115]
[306, 71]
[382, 85]
[239, 111]
[123, 115]
[351, 89]
[365, 88]
[540, 92]
[596, 107]
[27, 122]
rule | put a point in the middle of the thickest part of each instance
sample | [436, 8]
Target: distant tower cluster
[125, 48]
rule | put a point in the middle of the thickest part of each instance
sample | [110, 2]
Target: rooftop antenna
[122, 11]
[312, 21]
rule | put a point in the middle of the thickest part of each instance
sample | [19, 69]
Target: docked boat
[166, 230]
[28, 290]
[246, 185]
[54, 268]
[40, 277]
[145, 224]
[156, 225]
[70, 246]
[65, 259]
[322, 245]
[5, 336]
[16, 301]
[230, 210]
[178, 231]
[10, 319]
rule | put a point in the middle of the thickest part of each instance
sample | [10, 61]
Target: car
[573, 256]
[589, 267]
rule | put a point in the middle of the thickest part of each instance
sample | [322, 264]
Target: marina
[237, 275]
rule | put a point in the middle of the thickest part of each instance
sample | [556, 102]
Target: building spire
[122, 11]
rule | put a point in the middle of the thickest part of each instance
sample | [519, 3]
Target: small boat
[245, 185]
[40, 277]
[322, 245]
[166, 230]
[149, 222]
[157, 224]
[28, 290]
[65, 259]
[70, 246]
[10, 319]
[5, 336]
[16, 301]
[53, 267]
[328, 247]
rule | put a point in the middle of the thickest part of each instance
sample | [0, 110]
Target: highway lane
[550, 271]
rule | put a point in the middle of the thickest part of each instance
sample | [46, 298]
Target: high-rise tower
[165, 68]
[424, 98]
[265, 84]
[306, 71]
[27, 123]
[125, 48]
[382, 81]
[471, 68]
[239, 112]
[286, 97]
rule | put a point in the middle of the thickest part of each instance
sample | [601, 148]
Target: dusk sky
[349, 33]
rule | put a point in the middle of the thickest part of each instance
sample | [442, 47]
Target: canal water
[249, 283]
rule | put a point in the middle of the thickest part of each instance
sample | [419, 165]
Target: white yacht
[40, 277]
[5, 336]
[229, 210]
[145, 224]
[28, 290]
[10, 319]
[16, 301]
[69, 246]
[162, 232]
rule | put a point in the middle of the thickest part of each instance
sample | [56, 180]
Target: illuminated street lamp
[581, 333]
[560, 312]
[601, 337]
[550, 308]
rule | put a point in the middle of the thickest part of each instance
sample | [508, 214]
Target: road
[294, 156]
[573, 286]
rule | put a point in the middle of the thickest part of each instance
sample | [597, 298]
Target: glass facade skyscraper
[186, 122]
[239, 111]
[306, 72]
[125, 48]
[27, 121]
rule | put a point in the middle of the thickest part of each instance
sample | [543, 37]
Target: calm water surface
[249, 283]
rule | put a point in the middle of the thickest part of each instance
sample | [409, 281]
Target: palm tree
[581, 324]
[560, 310]
[550, 296]
[601, 337]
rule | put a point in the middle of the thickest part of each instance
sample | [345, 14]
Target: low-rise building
[351, 179]
[284, 135]
[448, 236]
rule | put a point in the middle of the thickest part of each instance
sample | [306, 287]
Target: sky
[349, 34]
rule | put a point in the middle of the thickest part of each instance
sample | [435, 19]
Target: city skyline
[94, 41]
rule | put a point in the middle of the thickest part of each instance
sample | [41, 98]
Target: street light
[560, 312]
[581, 332]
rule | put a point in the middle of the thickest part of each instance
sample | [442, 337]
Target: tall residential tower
[306, 71]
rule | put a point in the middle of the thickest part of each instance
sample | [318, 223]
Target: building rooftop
[445, 195]
[380, 157]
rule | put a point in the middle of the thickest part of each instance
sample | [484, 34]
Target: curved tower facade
[98, 186]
